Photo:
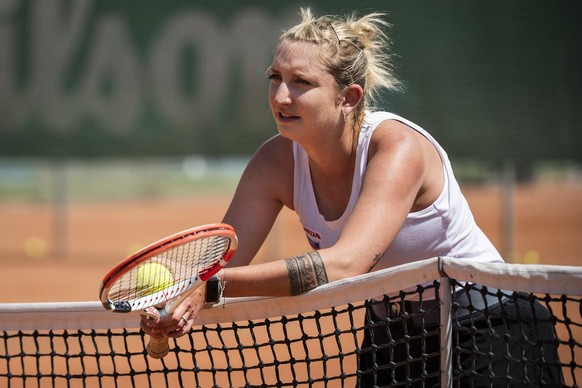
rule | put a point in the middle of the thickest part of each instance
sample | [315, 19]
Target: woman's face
[303, 96]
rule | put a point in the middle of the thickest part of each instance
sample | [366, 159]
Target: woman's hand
[181, 320]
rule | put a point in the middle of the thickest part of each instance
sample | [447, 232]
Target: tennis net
[437, 322]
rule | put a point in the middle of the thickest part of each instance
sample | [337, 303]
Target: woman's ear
[352, 97]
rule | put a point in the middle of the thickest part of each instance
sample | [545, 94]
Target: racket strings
[195, 257]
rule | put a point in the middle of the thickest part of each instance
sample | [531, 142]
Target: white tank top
[445, 228]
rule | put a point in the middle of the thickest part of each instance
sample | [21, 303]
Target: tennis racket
[166, 272]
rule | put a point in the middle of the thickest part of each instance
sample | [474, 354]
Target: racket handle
[158, 347]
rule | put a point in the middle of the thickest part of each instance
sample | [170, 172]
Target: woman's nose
[281, 94]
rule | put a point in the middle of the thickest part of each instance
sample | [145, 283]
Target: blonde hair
[354, 50]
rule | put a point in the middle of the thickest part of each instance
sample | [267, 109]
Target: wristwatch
[212, 290]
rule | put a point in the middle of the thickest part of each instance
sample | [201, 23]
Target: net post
[446, 328]
[508, 210]
[60, 227]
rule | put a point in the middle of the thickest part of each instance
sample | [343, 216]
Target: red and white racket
[166, 272]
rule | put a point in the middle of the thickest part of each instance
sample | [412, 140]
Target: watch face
[212, 290]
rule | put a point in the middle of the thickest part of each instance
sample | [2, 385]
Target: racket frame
[155, 249]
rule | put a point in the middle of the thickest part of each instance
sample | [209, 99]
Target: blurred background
[122, 122]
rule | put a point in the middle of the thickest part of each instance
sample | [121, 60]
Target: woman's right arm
[264, 188]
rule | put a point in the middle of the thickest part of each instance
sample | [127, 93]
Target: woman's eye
[303, 82]
[273, 76]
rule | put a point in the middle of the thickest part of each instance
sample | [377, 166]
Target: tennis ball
[531, 257]
[153, 277]
[35, 247]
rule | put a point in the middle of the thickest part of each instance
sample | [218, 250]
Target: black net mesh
[499, 338]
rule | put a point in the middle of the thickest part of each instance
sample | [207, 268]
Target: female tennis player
[372, 189]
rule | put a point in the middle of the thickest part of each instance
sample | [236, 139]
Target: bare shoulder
[395, 137]
[277, 149]
[274, 156]
[408, 153]
[271, 168]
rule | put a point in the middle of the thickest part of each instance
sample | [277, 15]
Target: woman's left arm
[394, 183]
[393, 180]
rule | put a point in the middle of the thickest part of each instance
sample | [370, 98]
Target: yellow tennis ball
[153, 277]
[35, 247]
[531, 257]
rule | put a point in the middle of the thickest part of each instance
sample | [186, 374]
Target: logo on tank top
[313, 237]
